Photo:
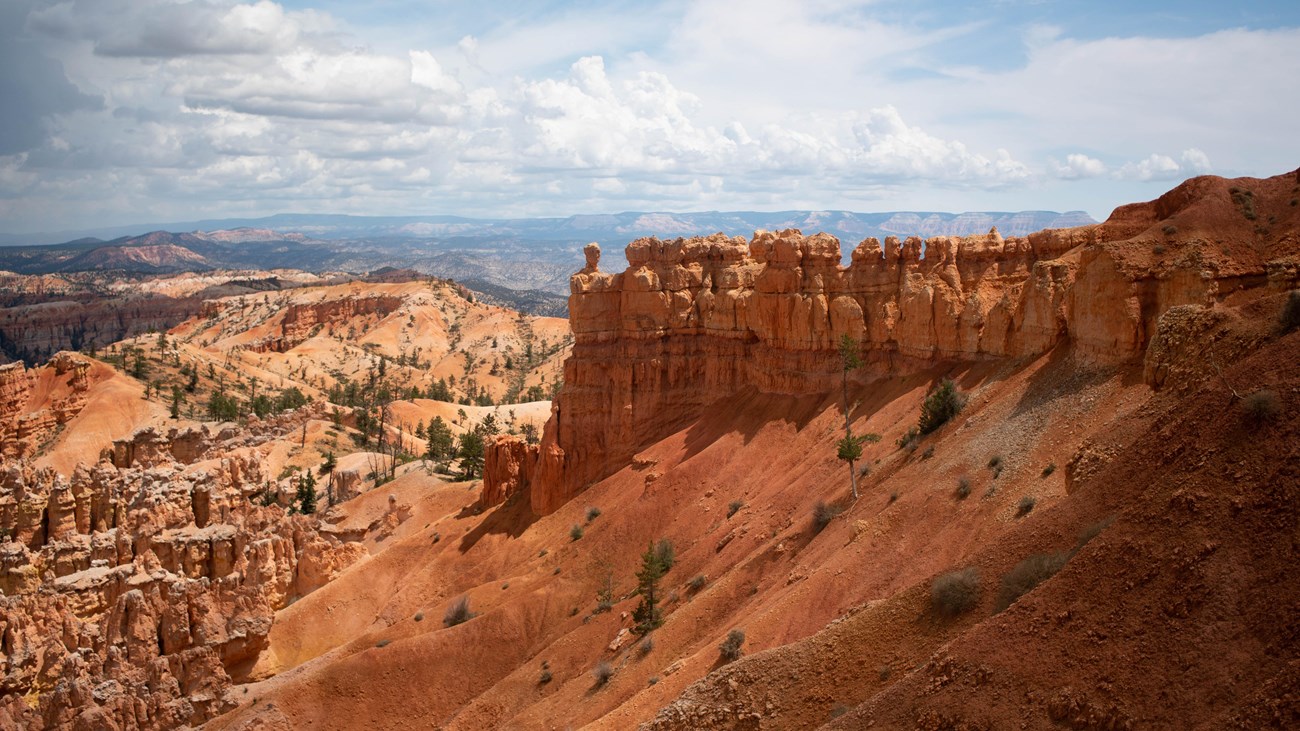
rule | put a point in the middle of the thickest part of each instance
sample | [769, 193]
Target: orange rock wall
[692, 320]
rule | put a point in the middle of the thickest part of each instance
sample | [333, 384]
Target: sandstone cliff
[692, 320]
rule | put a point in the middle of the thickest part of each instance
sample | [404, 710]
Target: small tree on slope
[647, 614]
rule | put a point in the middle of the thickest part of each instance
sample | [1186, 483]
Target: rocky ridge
[692, 320]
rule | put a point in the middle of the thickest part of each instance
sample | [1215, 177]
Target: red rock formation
[33, 403]
[298, 321]
[692, 320]
[132, 596]
[508, 467]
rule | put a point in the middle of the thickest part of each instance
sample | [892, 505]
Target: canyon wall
[692, 320]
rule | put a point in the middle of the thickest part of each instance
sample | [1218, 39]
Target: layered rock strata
[693, 320]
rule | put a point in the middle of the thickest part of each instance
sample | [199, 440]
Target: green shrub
[602, 673]
[593, 512]
[696, 583]
[730, 647]
[963, 488]
[941, 405]
[1049, 469]
[734, 507]
[575, 532]
[1027, 574]
[955, 592]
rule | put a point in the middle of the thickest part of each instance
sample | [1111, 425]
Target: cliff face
[35, 402]
[300, 321]
[692, 320]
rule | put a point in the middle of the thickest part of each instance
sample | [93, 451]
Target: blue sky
[122, 111]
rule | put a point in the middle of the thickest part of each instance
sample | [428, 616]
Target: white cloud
[1163, 167]
[224, 105]
[1077, 165]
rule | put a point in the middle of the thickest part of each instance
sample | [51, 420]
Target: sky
[115, 112]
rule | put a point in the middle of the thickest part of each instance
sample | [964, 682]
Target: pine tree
[647, 615]
[849, 448]
[307, 493]
[471, 453]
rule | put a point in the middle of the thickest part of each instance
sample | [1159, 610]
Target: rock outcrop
[35, 402]
[692, 320]
[133, 595]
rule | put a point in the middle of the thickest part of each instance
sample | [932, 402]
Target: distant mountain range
[606, 228]
[532, 254]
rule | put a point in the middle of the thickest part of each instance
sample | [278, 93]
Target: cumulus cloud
[1163, 167]
[250, 106]
[1076, 166]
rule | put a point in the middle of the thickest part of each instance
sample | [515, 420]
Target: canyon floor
[1119, 496]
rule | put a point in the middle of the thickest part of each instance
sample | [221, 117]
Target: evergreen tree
[471, 453]
[850, 449]
[307, 493]
[647, 615]
[176, 402]
[439, 439]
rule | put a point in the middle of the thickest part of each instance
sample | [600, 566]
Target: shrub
[885, 672]
[730, 647]
[1027, 574]
[602, 673]
[955, 592]
[1170, 229]
[1290, 318]
[653, 680]
[696, 583]
[646, 646]
[734, 507]
[823, 514]
[941, 405]
[458, 612]
[995, 465]
[1027, 504]
[575, 532]
[382, 643]
[963, 488]
[665, 553]
[893, 498]
[593, 512]
[419, 616]
[1261, 406]
[909, 439]
[1049, 469]
[544, 678]
[928, 453]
